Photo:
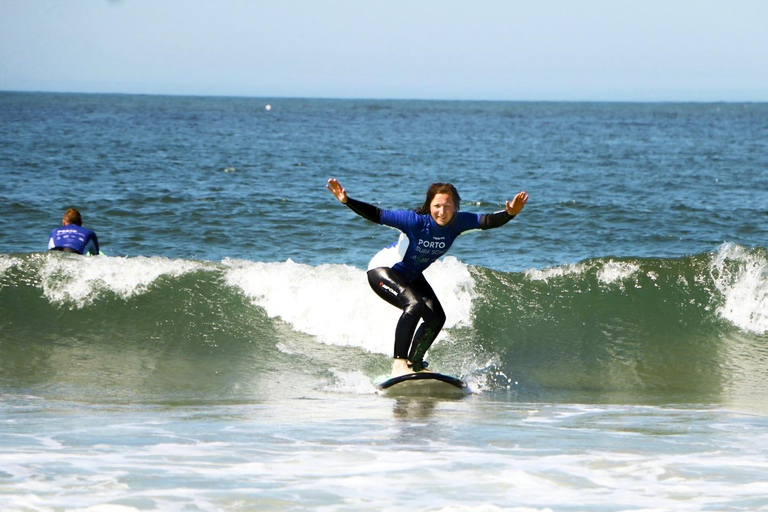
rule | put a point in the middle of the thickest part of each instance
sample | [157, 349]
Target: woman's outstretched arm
[365, 210]
[498, 219]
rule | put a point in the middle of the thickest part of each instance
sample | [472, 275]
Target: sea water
[221, 355]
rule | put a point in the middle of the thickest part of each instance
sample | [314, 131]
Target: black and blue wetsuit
[396, 272]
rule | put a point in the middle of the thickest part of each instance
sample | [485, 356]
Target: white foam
[351, 382]
[80, 280]
[105, 508]
[6, 263]
[335, 304]
[616, 271]
[490, 508]
[609, 272]
[348, 454]
[546, 274]
[741, 276]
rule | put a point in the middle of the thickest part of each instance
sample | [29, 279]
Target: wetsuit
[74, 238]
[396, 272]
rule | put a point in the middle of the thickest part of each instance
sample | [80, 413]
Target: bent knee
[415, 307]
[438, 320]
[422, 309]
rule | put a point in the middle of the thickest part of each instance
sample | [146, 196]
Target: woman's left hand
[517, 204]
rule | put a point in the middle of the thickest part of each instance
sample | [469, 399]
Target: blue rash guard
[422, 241]
[73, 238]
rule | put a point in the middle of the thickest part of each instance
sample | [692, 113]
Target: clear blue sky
[612, 50]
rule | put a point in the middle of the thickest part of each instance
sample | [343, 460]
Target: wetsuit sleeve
[365, 210]
[495, 220]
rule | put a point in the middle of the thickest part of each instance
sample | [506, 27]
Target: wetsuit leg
[418, 301]
[433, 323]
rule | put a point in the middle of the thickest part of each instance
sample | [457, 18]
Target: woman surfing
[396, 272]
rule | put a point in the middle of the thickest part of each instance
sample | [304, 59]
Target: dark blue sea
[221, 353]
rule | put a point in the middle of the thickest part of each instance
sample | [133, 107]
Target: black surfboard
[424, 384]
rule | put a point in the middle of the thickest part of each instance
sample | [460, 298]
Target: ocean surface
[221, 354]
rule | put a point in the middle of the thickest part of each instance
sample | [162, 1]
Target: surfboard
[426, 384]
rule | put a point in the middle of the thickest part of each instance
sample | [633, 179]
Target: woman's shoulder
[467, 220]
[403, 215]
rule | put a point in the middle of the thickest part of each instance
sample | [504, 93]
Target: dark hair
[72, 216]
[439, 188]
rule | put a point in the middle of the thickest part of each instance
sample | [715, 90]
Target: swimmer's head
[72, 216]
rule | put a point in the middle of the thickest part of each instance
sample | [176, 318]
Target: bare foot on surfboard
[400, 367]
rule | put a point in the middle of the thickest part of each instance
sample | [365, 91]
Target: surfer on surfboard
[71, 236]
[396, 272]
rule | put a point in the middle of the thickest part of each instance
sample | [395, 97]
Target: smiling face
[442, 208]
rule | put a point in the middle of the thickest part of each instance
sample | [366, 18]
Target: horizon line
[373, 98]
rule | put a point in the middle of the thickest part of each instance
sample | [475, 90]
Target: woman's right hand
[337, 190]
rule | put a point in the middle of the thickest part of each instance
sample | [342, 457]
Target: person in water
[72, 236]
[396, 272]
